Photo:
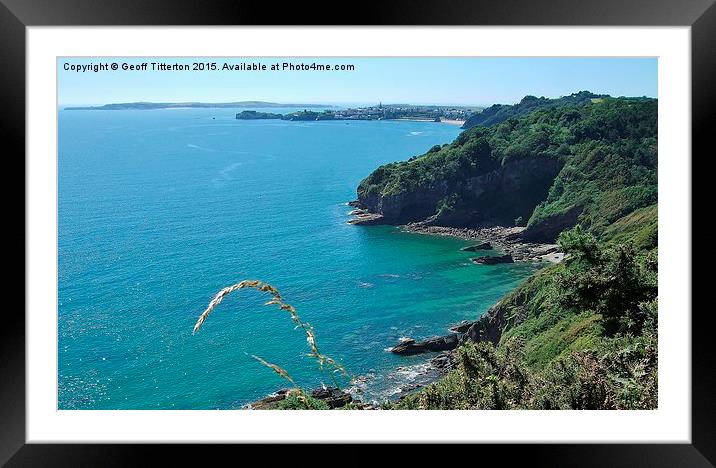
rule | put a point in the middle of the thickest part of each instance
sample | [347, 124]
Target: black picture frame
[16, 15]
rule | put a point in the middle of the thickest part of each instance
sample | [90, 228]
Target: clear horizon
[420, 81]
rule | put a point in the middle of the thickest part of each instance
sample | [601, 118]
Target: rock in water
[489, 260]
[367, 219]
[332, 396]
[269, 402]
[475, 248]
[442, 343]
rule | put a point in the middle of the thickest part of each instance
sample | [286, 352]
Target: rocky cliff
[559, 166]
[470, 201]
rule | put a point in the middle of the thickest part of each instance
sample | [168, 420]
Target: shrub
[612, 281]
[298, 400]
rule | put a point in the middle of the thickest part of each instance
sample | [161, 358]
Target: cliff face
[477, 198]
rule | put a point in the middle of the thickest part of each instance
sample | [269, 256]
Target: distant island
[201, 105]
[454, 114]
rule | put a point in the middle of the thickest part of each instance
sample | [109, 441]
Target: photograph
[357, 233]
[420, 223]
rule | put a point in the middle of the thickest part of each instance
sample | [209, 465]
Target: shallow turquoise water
[158, 210]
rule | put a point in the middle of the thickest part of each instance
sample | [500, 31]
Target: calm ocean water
[158, 210]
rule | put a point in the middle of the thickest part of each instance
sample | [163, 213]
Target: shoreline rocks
[366, 219]
[270, 401]
[333, 397]
[511, 240]
[363, 217]
[417, 376]
[508, 240]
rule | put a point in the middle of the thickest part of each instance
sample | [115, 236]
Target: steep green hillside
[498, 113]
[640, 227]
[578, 335]
[589, 164]
[612, 172]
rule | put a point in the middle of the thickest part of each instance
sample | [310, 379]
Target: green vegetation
[448, 204]
[578, 335]
[255, 115]
[299, 400]
[640, 226]
[616, 282]
[612, 167]
[469, 155]
[500, 112]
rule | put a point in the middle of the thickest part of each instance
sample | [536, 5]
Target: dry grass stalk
[280, 371]
[276, 300]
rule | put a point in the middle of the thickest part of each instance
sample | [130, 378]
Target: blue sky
[465, 81]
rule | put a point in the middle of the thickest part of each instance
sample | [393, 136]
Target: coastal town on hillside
[450, 114]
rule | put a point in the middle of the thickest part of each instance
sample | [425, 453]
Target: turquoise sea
[158, 210]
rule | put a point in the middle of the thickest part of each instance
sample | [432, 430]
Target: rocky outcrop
[271, 401]
[475, 248]
[492, 260]
[365, 218]
[409, 346]
[507, 239]
[333, 397]
[405, 207]
[489, 327]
